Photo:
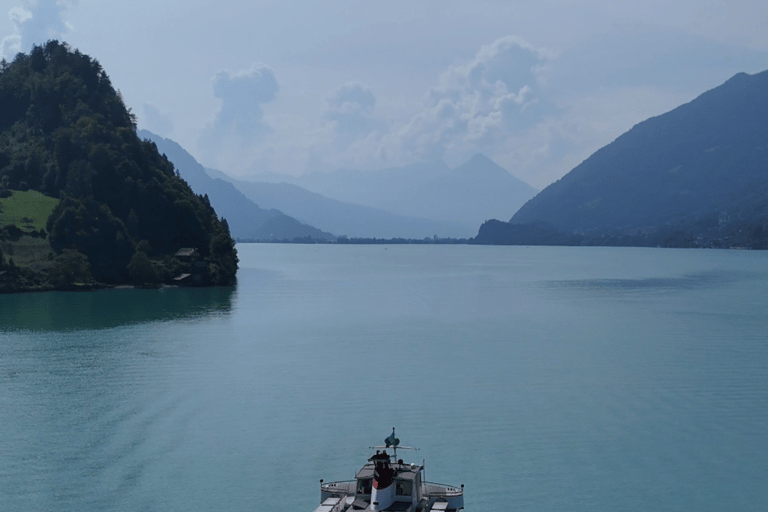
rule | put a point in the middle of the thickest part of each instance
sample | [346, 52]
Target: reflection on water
[67, 311]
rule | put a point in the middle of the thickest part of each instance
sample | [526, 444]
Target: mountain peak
[480, 164]
[480, 158]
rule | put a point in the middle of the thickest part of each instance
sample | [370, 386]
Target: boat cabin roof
[404, 471]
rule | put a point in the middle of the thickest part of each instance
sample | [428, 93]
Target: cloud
[10, 46]
[487, 104]
[475, 106]
[533, 111]
[239, 123]
[242, 94]
[349, 110]
[353, 131]
[478, 104]
[36, 22]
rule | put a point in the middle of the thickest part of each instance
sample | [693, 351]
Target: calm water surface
[544, 379]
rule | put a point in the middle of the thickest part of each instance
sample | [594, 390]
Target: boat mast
[394, 443]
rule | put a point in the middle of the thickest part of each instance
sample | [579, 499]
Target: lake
[542, 378]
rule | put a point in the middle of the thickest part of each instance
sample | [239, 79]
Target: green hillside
[123, 211]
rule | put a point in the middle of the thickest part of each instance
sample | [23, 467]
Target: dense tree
[93, 229]
[70, 267]
[142, 271]
[4, 190]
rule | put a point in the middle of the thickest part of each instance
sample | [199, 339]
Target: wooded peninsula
[84, 202]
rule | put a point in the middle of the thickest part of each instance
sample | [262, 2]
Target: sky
[294, 87]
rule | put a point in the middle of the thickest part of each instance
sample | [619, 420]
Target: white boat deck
[393, 484]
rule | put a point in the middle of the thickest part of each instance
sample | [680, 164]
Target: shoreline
[101, 286]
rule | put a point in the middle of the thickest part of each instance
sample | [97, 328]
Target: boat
[386, 483]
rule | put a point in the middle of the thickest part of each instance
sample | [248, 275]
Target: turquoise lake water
[542, 378]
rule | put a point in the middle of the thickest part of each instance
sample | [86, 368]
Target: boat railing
[340, 488]
[434, 490]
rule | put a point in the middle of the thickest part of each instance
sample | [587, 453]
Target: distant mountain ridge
[466, 195]
[245, 218]
[338, 217]
[697, 175]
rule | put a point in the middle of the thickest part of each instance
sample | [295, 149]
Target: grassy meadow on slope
[28, 210]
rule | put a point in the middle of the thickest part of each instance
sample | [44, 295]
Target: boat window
[404, 488]
[364, 486]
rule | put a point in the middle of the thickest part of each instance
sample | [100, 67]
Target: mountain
[246, 219]
[697, 175]
[466, 195]
[120, 213]
[477, 189]
[338, 217]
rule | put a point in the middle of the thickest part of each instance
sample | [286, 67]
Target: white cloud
[499, 102]
[505, 103]
[230, 139]
[10, 46]
[535, 111]
[35, 23]
[242, 94]
[349, 110]
[477, 104]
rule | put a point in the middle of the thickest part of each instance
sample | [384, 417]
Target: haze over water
[544, 378]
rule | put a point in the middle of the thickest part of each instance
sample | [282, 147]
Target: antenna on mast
[393, 442]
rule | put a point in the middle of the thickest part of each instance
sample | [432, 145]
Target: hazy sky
[300, 86]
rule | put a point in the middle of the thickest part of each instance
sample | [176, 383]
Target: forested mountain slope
[697, 175]
[124, 212]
